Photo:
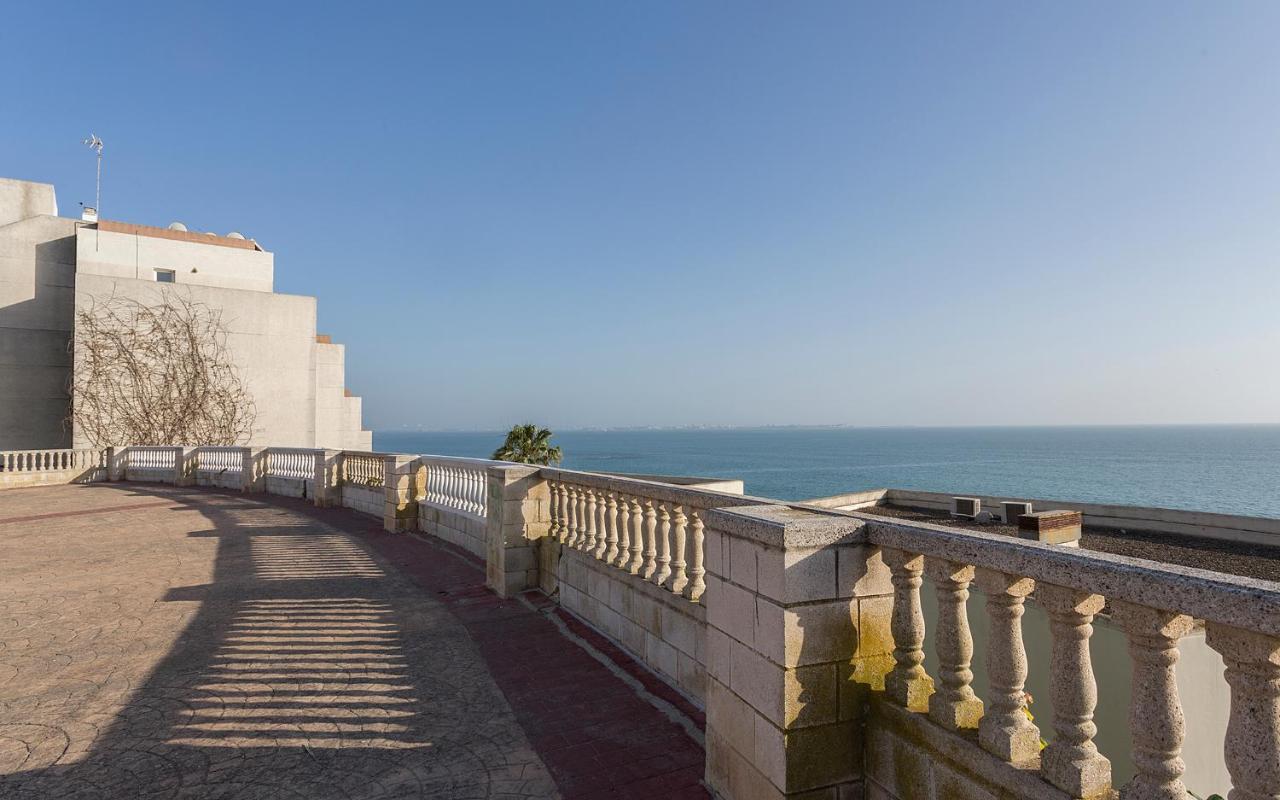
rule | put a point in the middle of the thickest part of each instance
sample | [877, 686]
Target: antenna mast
[95, 143]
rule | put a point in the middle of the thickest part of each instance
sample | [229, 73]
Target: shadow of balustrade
[306, 671]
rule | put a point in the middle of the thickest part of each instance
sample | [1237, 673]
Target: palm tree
[528, 444]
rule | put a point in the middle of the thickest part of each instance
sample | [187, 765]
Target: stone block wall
[797, 612]
[364, 500]
[290, 487]
[455, 527]
[662, 630]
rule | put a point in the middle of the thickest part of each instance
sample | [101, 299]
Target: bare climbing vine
[156, 374]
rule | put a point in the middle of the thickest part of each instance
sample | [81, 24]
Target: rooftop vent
[235, 235]
[966, 507]
[177, 226]
[1014, 510]
[89, 214]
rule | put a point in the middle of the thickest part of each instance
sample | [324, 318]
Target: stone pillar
[327, 478]
[115, 463]
[184, 466]
[1253, 732]
[253, 472]
[796, 603]
[519, 517]
[400, 490]
[1156, 722]
[1072, 761]
[908, 684]
[1005, 731]
[954, 705]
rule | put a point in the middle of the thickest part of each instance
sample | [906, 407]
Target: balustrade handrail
[479, 463]
[655, 490]
[1214, 596]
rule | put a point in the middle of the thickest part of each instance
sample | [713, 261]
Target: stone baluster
[697, 552]
[907, 684]
[583, 523]
[635, 559]
[679, 542]
[1156, 724]
[663, 570]
[609, 550]
[571, 516]
[592, 521]
[553, 509]
[953, 705]
[623, 554]
[650, 541]
[1005, 731]
[1253, 731]
[1072, 761]
[601, 524]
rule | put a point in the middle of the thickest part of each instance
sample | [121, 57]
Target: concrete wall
[21, 200]
[270, 337]
[664, 631]
[50, 267]
[1202, 524]
[37, 278]
[125, 255]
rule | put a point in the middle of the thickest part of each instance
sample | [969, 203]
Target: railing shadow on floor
[307, 671]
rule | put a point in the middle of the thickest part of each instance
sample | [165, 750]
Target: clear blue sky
[709, 213]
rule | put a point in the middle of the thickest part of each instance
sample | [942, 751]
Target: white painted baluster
[907, 684]
[1156, 723]
[610, 550]
[697, 550]
[1253, 731]
[679, 577]
[1072, 761]
[954, 705]
[581, 544]
[1005, 731]
[623, 556]
[570, 515]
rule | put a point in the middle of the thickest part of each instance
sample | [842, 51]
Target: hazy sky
[709, 213]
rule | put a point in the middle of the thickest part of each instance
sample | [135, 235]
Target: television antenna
[94, 143]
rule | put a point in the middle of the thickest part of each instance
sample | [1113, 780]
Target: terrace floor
[180, 643]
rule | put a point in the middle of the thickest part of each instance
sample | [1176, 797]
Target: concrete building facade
[52, 267]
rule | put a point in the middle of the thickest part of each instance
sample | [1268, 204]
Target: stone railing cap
[786, 527]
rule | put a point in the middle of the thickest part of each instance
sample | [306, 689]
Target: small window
[165, 276]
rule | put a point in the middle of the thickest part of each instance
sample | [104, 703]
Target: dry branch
[156, 374]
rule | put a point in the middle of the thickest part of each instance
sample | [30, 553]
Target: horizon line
[841, 426]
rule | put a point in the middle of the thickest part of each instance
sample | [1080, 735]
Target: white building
[52, 266]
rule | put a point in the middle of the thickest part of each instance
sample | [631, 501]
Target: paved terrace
[166, 642]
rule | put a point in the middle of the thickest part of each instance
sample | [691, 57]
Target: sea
[1232, 469]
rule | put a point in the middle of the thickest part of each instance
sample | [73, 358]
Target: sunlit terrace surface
[162, 642]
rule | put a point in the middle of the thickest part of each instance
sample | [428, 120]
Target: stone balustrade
[457, 483]
[803, 631]
[650, 529]
[40, 467]
[1155, 605]
[363, 469]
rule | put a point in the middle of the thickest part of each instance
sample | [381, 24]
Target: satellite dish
[235, 235]
[177, 226]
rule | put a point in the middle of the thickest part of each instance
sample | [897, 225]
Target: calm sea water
[1226, 468]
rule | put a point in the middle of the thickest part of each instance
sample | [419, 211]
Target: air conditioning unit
[966, 507]
[1013, 510]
